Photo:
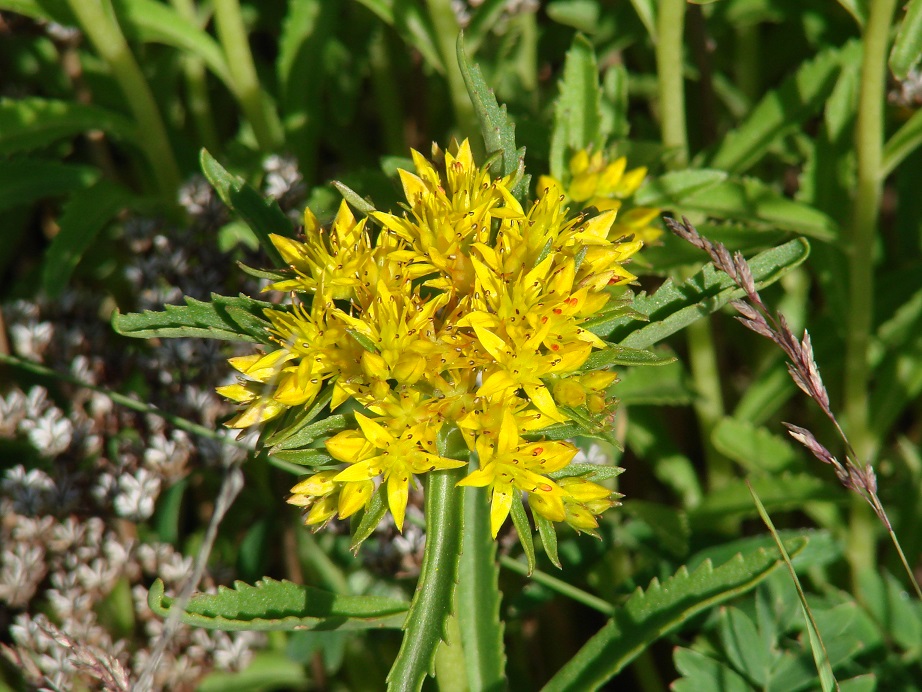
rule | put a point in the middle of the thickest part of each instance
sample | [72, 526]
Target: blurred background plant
[759, 121]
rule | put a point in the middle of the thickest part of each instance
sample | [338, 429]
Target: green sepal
[224, 318]
[295, 420]
[354, 199]
[370, 518]
[362, 340]
[523, 529]
[263, 216]
[548, 533]
[649, 614]
[268, 274]
[281, 605]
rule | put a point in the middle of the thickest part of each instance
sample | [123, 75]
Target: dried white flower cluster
[74, 573]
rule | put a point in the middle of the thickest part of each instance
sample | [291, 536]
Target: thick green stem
[236, 45]
[198, 103]
[670, 27]
[869, 133]
[478, 597]
[705, 372]
[431, 608]
[446, 36]
[98, 22]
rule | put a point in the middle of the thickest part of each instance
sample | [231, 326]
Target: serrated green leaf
[754, 448]
[616, 354]
[32, 123]
[751, 201]
[224, 318]
[478, 597]
[155, 22]
[675, 306]
[306, 435]
[498, 131]
[783, 110]
[907, 48]
[84, 217]
[304, 457]
[425, 624]
[671, 189]
[23, 181]
[281, 605]
[263, 216]
[648, 615]
[578, 108]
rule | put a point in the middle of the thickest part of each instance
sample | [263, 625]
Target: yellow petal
[349, 445]
[374, 433]
[397, 494]
[355, 496]
[500, 506]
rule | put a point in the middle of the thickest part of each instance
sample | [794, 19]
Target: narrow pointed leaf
[84, 217]
[907, 49]
[263, 216]
[661, 608]
[32, 123]
[675, 306]
[578, 108]
[281, 605]
[782, 110]
[23, 181]
[497, 129]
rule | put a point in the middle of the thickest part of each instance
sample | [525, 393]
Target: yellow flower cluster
[594, 182]
[465, 313]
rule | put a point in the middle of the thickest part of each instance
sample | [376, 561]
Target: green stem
[670, 26]
[869, 131]
[97, 21]
[425, 625]
[446, 28]
[478, 598]
[236, 45]
[197, 85]
[558, 585]
[705, 370]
